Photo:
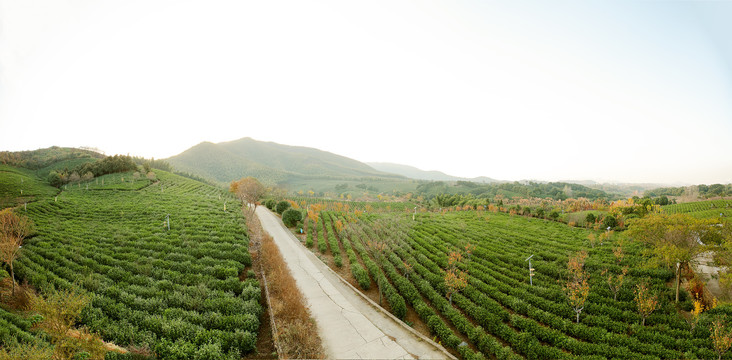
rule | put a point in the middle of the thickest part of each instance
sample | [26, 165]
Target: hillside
[19, 186]
[45, 160]
[164, 258]
[272, 163]
[419, 174]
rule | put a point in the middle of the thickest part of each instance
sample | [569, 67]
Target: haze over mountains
[270, 162]
[275, 163]
[415, 173]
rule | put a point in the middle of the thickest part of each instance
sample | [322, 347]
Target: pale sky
[632, 91]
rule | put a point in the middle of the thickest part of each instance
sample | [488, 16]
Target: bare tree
[13, 230]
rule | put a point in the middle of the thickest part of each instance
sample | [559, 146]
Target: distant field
[170, 290]
[702, 209]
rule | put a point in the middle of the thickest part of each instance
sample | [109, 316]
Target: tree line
[87, 171]
[553, 190]
[702, 190]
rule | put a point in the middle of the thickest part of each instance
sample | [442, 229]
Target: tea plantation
[501, 313]
[165, 263]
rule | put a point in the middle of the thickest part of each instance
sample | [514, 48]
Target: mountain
[418, 174]
[270, 162]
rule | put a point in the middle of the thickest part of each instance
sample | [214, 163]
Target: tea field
[500, 313]
[18, 186]
[166, 261]
[702, 209]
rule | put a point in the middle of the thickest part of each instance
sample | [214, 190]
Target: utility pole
[167, 220]
[531, 270]
[415, 213]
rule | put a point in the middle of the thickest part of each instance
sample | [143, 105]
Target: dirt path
[351, 326]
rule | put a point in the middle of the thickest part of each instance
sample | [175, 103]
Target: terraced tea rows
[702, 209]
[500, 313]
[162, 259]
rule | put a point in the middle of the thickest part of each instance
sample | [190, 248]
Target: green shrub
[209, 351]
[282, 206]
[291, 217]
[309, 239]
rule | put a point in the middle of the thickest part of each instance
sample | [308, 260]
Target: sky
[613, 91]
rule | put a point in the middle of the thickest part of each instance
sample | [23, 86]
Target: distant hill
[418, 174]
[270, 162]
[45, 160]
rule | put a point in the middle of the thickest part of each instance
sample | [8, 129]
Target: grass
[296, 333]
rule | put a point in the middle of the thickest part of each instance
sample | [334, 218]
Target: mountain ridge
[270, 162]
[419, 174]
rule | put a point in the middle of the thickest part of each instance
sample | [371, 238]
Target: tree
[609, 221]
[645, 300]
[249, 190]
[291, 216]
[314, 212]
[721, 337]
[456, 280]
[540, 213]
[615, 282]
[74, 177]
[13, 230]
[673, 239]
[618, 252]
[590, 219]
[54, 178]
[58, 311]
[577, 287]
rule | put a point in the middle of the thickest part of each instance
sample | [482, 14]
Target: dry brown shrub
[296, 332]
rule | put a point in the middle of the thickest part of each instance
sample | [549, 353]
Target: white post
[531, 270]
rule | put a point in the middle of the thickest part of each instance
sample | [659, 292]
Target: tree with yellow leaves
[645, 300]
[577, 287]
[456, 280]
[674, 240]
[249, 190]
[58, 311]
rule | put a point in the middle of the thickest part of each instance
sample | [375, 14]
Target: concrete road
[351, 326]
